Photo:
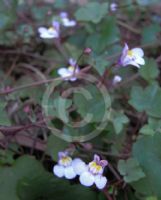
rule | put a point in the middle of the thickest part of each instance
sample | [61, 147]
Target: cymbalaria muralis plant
[80, 100]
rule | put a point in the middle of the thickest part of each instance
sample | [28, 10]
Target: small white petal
[69, 172]
[100, 181]
[63, 72]
[113, 7]
[134, 64]
[47, 36]
[79, 166]
[56, 26]
[140, 61]
[124, 56]
[58, 171]
[68, 23]
[63, 14]
[72, 62]
[86, 179]
[42, 30]
[125, 49]
[125, 60]
[138, 52]
[73, 79]
[117, 79]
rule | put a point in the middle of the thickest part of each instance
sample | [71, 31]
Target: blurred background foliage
[130, 141]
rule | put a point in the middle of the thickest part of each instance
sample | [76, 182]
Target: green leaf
[153, 127]
[118, 119]
[26, 32]
[150, 70]
[58, 106]
[4, 119]
[108, 34]
[149, 33]
[147, 130]
[79, 133]
[24, 167]
[147, 100]
[54, 145]
[48, 187]
[152, 198]
[92, 104]
[7, 13]
[93, 41]
[130, 169]
[147, 2]
[6, 157]
[109, 31]
[92, 12]
[27, 179]
[147, 150]
[100, 63]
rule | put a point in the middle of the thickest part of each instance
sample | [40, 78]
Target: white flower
[67, 167]
[79, 166]
[51, 32]
[132, 57]
[93, 174]
[113, 7]
[71, 70]
[66, 21]
[116, 79]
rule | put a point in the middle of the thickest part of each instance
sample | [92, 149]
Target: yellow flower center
[51, 28]
[71, 68]
[130, 53]
[65, 161]
[95, 167]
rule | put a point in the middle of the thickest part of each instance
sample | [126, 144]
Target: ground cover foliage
[42, 113]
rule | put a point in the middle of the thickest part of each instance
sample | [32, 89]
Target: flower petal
[72, 62]
[63, 72]
[116, 79]
[124, 56]
[68, 23]
[69, 172]
[58, 171]
[140, 61]
[125, 60]
[96, 158]
[113, 7]
[73, 79]
[138, 52]
[42, 29]
[56, 26]
[79, 166]
[103, 163]
[62, 154]
[125, 49]
[63, 14]
[47, 35]
[134, 64]
[100, 181]
[86, 179]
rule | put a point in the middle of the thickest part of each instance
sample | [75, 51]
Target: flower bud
[87, 50]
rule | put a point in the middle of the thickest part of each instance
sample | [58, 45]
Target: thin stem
[41, 82]
[105, 191]
[60, 49]
[127, 26]
[114, 172]
[75, 66]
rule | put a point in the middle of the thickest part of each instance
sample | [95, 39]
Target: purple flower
[132, 57]
[93, 174]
